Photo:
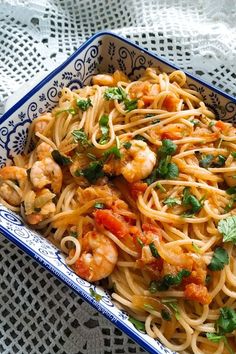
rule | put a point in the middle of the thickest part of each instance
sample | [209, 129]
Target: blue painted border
[47, 265]
[85, 45]
[78, 290]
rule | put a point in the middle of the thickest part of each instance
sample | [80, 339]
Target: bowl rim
[143, 342]
[57, 70]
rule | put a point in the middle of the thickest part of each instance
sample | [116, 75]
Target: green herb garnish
[99, 205]
[227, 227]
[62, 160]
[115, 93]
[104, 127]
[92, 172]
[95, 295]
[137, 324]
[172, 202]
[168, 280]
[81, 137]
[219, 260]
[127, 145]
[84, 104]
[72, 111]
[154, 251]
[166, 315]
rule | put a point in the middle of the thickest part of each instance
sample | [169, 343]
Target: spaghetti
[136, 182]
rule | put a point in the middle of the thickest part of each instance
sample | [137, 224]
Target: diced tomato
[199, 293]
[220, 125]
[137, 188]
[139, 89]
[148, 227]
[170, 103]
[148, 100]
[112, 222]
[170, 136]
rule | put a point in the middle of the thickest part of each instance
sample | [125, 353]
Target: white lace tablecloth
[38, 314]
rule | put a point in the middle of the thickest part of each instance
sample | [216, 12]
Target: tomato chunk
[196, 292]
[170, 135]
[220, 125]
[170, 103]
[112, 222]
[136, 188]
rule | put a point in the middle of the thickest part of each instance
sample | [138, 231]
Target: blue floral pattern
[103, 53]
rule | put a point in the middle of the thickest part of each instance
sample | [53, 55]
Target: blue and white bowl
[104, 52]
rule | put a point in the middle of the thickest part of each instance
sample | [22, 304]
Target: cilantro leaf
[167, 169]
[152, 177]
[62, 160]
[233, 154]
[154, 251]
[95, 295]
[137, 324]
[227, 227]
[84, 104]
[219, 162]
[167, 148]
[231, 190]
[173, 171]
[172, 202]
[219, 260]
[130, 105]
[115, 93]
[168, 280]
[172, 304]
[81, 137]
[92, 172]
[104, 127]
[226, 322]
[140, 137]
[74, 234]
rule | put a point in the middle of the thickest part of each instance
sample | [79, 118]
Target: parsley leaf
[92, 172]
[130, 105]
[127, 145]
[219, 260]
[168, 280]
[214, 337]
[84, 104]
[167, 169]
[219, 162]
[154, 250]
[172, 202]
[62, 160]
[167, 148]
[231, 190]
[99, 205]
[137, 324]
[152, 177]
[226, 322]
[115, 93]
[190, 200]
[72, 111]
[172, 303]
[233, 154]
[112, 151]
[206, 161]
[81, 137]
[104, 127]
[95, 295]
[227, 227]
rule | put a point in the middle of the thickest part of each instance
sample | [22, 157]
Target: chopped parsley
[219, 260]
[206, 161]
[84, 104]
[167, 148]
[137, 324]
[130, 105]
[62, 160]
[112, 151]
[172, 202]
[92, 172]
[115, 93]
[95, 295]
[233, 154]
[172, 304]
[168, 280]
[81, 137]
[154, 250]
[231, 190]
[99, 205]
[71, 111]
[227, 227]
[160, 186]
[127, 145]
[104, 127]
[190, 200]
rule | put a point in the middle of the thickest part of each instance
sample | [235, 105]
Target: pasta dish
[135, 181]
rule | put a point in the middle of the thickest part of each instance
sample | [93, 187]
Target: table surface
[38, 313]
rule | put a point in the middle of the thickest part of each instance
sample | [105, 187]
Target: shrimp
[136, 163]
[10, 195]
[42, 123]
[14, 173]
[43, 150]
[46, 211]
[45, 172]
[98, 259]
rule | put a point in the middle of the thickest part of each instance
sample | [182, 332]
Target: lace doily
[39, 314]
